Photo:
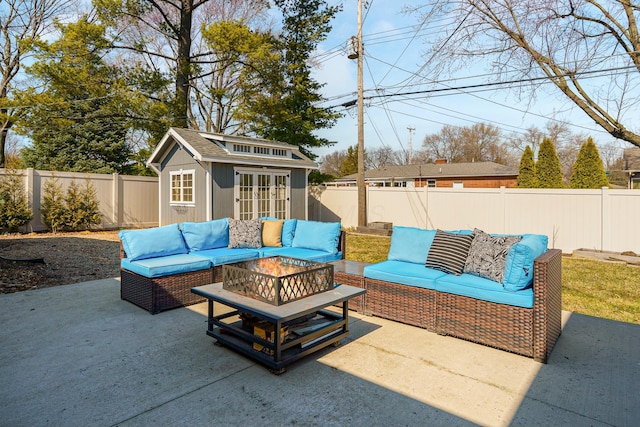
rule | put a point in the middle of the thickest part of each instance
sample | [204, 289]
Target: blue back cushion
[321, 236]
[410, 244]
[288, 231]
[153, 242]
[206, 235]
[518, 269]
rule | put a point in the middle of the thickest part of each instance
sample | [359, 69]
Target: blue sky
[393, 54]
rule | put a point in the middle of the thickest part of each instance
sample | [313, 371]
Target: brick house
[440, 175]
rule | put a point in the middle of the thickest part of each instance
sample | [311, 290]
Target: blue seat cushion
[301, 253]
[404, 273]
[220, 256]
[153, 242]
[166, 265]
[480, 288]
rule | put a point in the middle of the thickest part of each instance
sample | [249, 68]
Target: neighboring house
[440, 175]
[204, 176]
[631, 157]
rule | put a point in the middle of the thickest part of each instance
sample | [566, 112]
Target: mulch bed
[33, 261]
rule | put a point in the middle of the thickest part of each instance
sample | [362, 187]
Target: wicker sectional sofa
[521, 313]
[159, 266]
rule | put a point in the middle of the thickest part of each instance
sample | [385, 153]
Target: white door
[259, 193]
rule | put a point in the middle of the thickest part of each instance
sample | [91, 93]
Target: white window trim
[181, 173]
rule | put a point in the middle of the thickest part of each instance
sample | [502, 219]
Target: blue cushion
[410, 244]
[288, 231]
[518, 269]
[206, 235]
[220, 256]
[301, 253]
[166, 265]
[476, 287]
[321, 236]
[153, 242]
[404, 273]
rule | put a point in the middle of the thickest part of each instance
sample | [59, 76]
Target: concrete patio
[77, 355]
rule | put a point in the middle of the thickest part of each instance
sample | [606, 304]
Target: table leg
[210, 316]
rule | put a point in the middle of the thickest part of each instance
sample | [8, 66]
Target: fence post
[605, 227]
[115, 201]
[30, 190]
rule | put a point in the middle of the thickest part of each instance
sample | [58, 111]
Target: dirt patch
[33, 261]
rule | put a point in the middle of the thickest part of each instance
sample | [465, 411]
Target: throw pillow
[488, 254]
[448, 252]
[271, 232]
[245, 233]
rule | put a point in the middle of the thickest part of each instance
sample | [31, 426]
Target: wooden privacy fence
[605, 219]
[125, 200]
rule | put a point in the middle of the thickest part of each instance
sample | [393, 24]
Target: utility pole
[410, 154]
[362, 194]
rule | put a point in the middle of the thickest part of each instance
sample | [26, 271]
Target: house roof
[432, 170]
[214, 147]
[631, 159]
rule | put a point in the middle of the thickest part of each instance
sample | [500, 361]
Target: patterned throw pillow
[488, 255]
[245, 233]
[448, 252]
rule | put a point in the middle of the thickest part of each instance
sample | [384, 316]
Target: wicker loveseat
[520, 314]
[160, 265]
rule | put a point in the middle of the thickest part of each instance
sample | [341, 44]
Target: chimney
[441, 161]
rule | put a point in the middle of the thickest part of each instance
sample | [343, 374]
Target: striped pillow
[448, 252]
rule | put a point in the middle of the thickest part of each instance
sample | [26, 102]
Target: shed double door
[259, 194]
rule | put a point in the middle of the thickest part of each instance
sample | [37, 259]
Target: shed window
[239, 148]
[261, 150]
[182, 183]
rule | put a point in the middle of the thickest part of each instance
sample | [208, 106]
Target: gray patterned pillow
[245, 233]
[488, 255]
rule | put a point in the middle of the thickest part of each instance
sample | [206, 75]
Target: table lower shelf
[331, 329]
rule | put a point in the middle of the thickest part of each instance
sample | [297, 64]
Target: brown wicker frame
[164, 293]
[357, 303]
[531, 332]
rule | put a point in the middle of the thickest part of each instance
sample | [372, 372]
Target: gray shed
[204, 176]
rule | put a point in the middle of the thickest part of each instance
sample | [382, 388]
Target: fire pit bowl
[277, 280]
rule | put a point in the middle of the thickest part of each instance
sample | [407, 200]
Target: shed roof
[432, 170]
[212, 147]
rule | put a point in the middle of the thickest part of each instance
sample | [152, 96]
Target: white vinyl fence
[605, 219]
[125, 200]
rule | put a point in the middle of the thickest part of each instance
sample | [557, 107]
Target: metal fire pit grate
[277, 280]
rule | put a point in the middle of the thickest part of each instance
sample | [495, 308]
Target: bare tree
[566, 43]
[164, 35]
[331, 163]
[381, 157]
[447, 144]
[20, 22]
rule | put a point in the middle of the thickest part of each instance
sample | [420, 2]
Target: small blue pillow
[410, 244]
[321, 236]
[153, 242]
[288, 231]
[206, 235]
[518, 269]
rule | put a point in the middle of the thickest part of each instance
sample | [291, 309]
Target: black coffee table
[303, 338]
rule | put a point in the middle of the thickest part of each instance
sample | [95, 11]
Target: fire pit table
[277, 331]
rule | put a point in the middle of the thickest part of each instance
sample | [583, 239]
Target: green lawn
[595, 288]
